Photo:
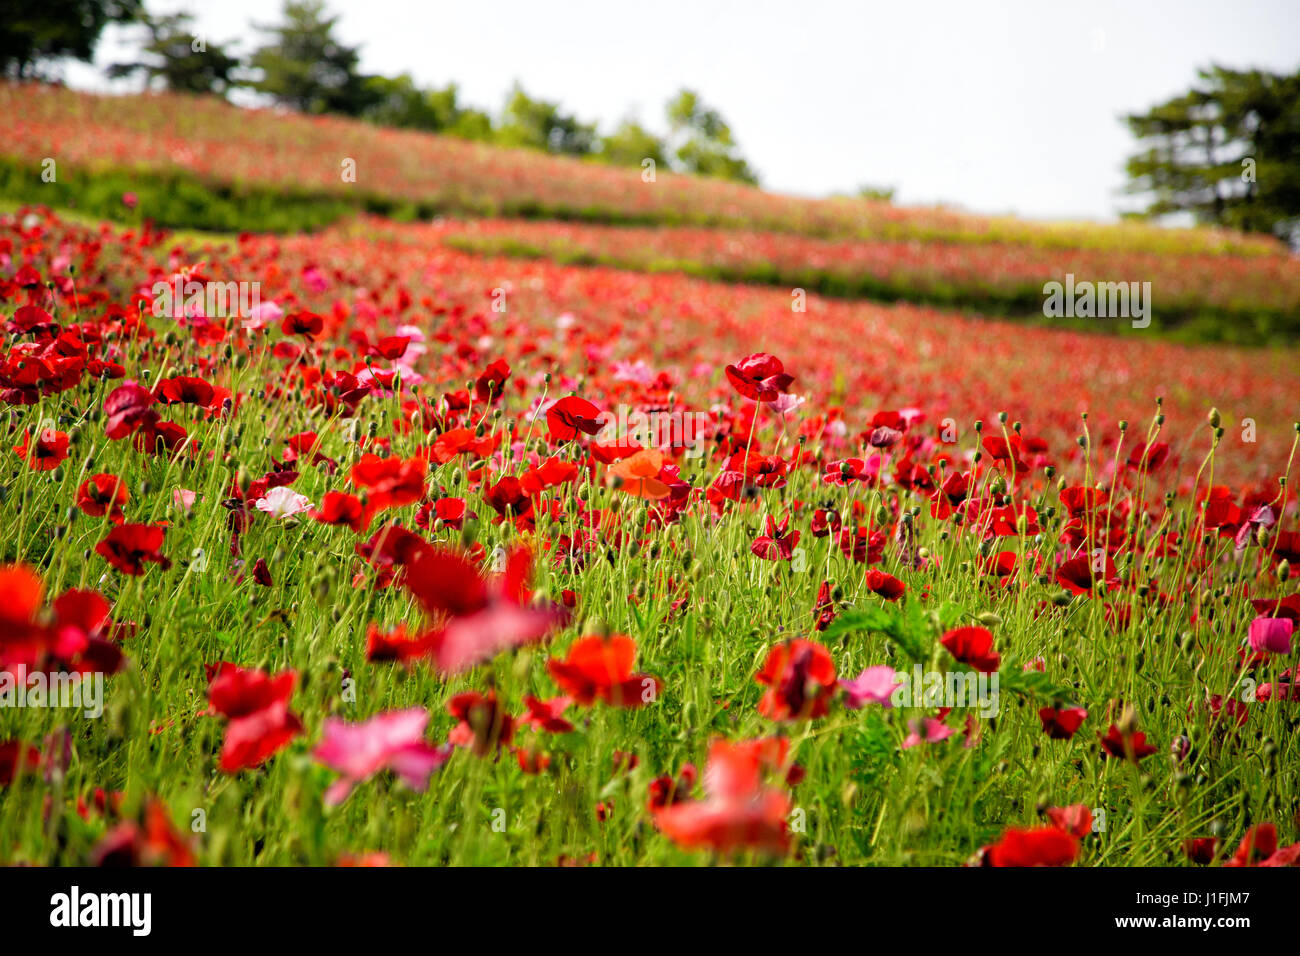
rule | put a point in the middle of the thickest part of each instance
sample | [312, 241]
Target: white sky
[997, 107]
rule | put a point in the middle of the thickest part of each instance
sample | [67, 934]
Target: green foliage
[880, 193]
[307, 68]
[1227, 151]
[703, 141]
[180, 60]
[400, 103]
[630, 144]
[538, 124]
[36, 32]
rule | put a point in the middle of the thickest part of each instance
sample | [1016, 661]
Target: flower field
[202, 163]
[367, 576]
[1237, 292]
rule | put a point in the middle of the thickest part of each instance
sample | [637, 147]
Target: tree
[703, 140]
[877, 193]
[307, 68]
[36, 32]
[399, 102]
[631, 144]
[1227, 151]
[180, 60]
[538, 124]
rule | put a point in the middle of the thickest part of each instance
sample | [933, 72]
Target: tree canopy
[38, 32]
[1227, 151]
[307, 68]
[180, 60]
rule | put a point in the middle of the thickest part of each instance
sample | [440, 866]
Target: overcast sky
[996, 107]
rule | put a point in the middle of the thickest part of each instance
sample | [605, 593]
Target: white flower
[282, 502]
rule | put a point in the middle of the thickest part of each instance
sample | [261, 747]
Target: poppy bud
[1283, 570]
[1128, 721]
[1213, 418]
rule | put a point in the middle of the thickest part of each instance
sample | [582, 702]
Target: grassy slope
[156, 145]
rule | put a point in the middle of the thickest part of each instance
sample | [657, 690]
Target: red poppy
[1060, 723]
[824, 607]
[824, 522]
[508, 498]
[127, 407]
[666, 791]
[184, 389]
[1039, 846]
[775, 544]
[738, 812]
[1008, 451]
[480, 618]
[547, 714]
[47, 452]
[307, 324]
[338, 507]
[886, 585]
[103, 495]
[572, 416]
[1146, 457]
[129, 547]
[257, 705]
[863, 545]
[800, 676]
[32, 320]
[392, 347]
[391, 482]
[152, 842]
[1079, 500]
[262, 573]
[1259, 847]
[1130, 745]
[235, 691]
[488, 387]
[600, 668]
[1075, 819]
[450, 511]
[484, 725]
[759, 377]
[1080, 574]
[551, 473]
[973, 646]
[15, 758]
[397, 645]
[1201, 850]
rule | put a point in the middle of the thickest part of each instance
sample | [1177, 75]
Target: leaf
[910, 633]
